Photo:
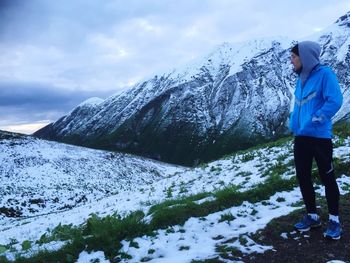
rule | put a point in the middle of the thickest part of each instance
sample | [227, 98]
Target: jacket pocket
[323, 127]
[307, 126]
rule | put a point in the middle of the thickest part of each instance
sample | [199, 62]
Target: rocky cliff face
[235, 97]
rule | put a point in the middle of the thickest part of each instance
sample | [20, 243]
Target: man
[317, 99]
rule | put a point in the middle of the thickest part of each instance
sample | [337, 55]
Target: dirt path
[292, 246]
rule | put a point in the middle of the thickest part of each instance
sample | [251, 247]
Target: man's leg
[303, 156]
[323, 156]
[324, 160]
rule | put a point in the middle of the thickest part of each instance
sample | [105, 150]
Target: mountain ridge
[235, 97]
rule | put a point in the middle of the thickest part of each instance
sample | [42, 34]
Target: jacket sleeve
[332, 95]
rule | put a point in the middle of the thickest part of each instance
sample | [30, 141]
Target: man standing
[317, 100]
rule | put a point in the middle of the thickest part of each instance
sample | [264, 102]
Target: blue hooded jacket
[317, 95]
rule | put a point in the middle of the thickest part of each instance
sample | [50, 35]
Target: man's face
[295, 60]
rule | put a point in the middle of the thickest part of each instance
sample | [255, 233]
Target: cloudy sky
[56, 54]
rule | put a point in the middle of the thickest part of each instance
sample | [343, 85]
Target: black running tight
[305, 150]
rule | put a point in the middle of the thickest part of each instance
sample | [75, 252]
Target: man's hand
[316, 119]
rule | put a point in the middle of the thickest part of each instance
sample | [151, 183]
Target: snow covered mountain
[235, 97]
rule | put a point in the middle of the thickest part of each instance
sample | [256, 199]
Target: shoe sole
[302, 230]
[307, 229]
[330, 237]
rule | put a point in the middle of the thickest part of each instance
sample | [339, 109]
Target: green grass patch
[165, 216]
[98, 234]
[248, 157]
[342, 129]
[212, 260]
[341, 167]
[179, 201]
[227, 217]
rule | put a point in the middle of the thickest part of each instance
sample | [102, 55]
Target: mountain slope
[235, 97]
[40, 177]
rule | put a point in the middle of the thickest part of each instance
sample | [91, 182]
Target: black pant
[305, 150]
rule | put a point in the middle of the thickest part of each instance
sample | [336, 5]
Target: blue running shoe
[307, 223]
[333, 231]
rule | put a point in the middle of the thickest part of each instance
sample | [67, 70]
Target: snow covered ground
[40, 177]
[123, 183]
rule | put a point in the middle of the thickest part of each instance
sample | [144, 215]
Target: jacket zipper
[301, 97]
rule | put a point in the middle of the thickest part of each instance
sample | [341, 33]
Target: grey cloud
[35, 102]
[59, 21]
[52, 21]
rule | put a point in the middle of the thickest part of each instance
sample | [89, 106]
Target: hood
[309, 53]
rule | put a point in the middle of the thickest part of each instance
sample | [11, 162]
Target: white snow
[199, 234]
[91, 101]
[85, 257]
